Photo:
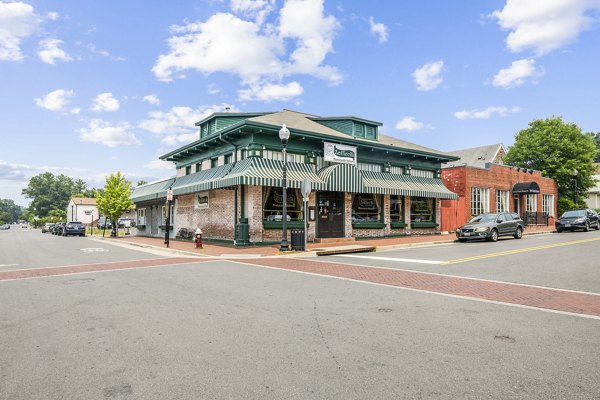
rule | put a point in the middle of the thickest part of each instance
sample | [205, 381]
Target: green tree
[10, 211]
[140, 183]
[560, 151]
[48, 192]
[596, 138]
[116, 198]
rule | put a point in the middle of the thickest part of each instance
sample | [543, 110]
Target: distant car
[126, 223]
[24, 225]
[57, 229]
[4, 226]
[73, 228]
[583, 219]
[103, 223]
[47, 227]
[491, 226]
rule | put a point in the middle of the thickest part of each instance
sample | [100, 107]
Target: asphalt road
[218, 329]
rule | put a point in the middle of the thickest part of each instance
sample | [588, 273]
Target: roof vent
[227, 109]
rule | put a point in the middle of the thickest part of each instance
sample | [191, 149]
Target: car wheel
[597, 225]
[493, 235]
[519, 233]
[587, 227]
[559, 230]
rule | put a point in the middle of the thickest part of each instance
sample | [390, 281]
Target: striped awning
[341, 178]
[151, 191]
[200, 180]
[405, 185]
[264, 172]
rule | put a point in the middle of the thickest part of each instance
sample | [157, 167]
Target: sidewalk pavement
[231, 251]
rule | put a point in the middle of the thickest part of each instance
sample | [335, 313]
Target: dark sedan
[491, 226]
[73, 228]
[582, 219]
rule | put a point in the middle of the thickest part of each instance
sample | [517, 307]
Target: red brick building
[484, 184]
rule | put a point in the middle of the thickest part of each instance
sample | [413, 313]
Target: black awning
[526, 188]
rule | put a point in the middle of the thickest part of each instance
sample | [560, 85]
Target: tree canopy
[49, 192]
[116, 198]
[560, 151]
[9, 211]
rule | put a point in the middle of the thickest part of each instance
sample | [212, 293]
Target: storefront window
[396, 208]
[366, 208]
[421, 209]
[273, 204]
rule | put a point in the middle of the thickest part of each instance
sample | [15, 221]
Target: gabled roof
[84, 201]
[478, 156]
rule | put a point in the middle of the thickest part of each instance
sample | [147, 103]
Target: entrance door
[517, 204]
[330, 214]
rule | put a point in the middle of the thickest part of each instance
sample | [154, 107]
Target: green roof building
[229, 182]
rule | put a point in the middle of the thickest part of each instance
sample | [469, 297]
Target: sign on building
[201, 200]
[339, 153]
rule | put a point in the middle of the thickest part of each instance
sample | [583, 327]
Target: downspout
[235, 195]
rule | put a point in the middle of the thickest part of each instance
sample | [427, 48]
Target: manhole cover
[93, 250]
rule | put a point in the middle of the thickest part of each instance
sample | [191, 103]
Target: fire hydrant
[198, 238]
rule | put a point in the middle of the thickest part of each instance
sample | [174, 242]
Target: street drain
[505, 339]
[384, 309]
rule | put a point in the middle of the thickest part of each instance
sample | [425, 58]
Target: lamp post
[168, 219]
[575, 173]
[284, 135]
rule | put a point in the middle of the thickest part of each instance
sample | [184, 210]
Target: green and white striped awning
[341, 178]
[405, 185]
[199, 181]
[264, 172]
[151, 191]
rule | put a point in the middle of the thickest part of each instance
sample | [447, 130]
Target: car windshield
[484, 218]
[573, 214]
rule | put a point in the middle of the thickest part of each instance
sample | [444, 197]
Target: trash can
[242, 233]
[298, 239]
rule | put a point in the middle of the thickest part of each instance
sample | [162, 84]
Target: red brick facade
[494, 177]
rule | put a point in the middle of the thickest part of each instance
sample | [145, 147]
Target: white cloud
[409, 124]
[544, 26]
[255, 9]
[11, 172]
[49, 51]
[428, 77]
[105, 102]
[18, 21]
[108, 134]
[253, 50]
[379, 29]
[152, 99]
[270, 92]
[177, 124]
[213, 88]
[56, 100]
[160, 164]
[487, 113]
[53, 16]
[517, 73]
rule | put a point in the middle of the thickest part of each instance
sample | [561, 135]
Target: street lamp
[284, 135]
[168, 219]
[575, 172]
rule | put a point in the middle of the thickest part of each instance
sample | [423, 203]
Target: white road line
[8, 265]
[410, 260]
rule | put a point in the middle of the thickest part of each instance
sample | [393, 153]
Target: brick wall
[216, 221]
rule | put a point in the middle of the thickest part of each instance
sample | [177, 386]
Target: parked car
[126, 223]
[490, 226]
[73, 228]
[4, 226]
[47, 227]
[57, 229]
[103, 223]
[583, 219]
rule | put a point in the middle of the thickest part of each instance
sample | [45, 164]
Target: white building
[82, 209]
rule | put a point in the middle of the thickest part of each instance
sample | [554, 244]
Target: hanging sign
[306, 189]
[339, 153]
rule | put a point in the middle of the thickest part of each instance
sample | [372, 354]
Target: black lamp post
[168, 219]
[284, 135]
[575, 172]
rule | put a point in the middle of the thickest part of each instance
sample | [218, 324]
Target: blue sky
[92, 87]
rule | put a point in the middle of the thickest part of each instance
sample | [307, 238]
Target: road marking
[8, 265]
[94, 250]
[410, 260]
[509, 252]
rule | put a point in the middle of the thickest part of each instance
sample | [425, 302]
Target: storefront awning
[341, 178]
[200, 180]
[264, 172]
[151, 191]
[526, 188]
[405, 185]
